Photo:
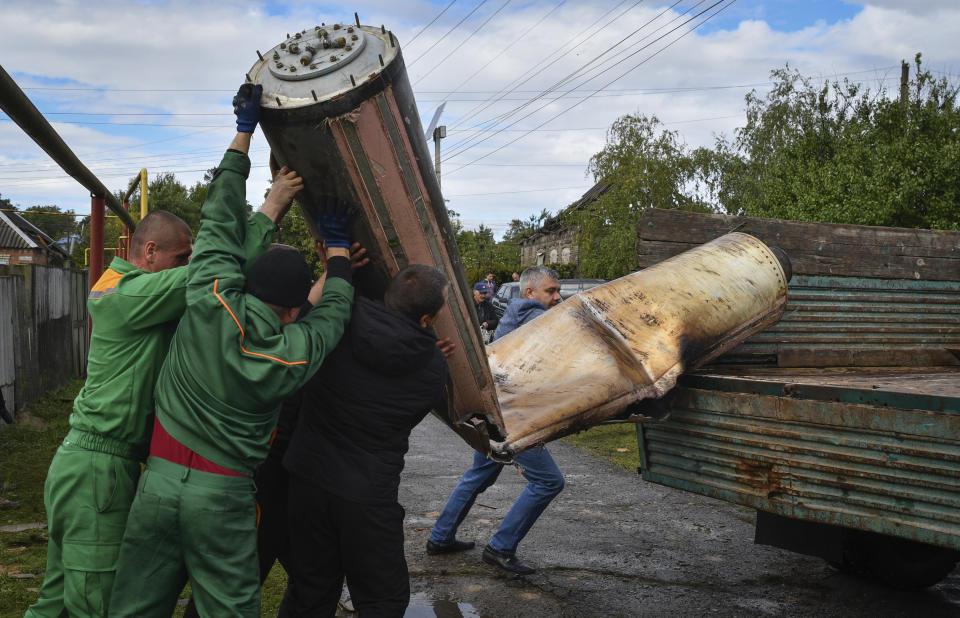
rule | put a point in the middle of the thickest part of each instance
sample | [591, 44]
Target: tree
[165, 192]
[840, 153]
[55, 223]
[647, 166]
[295, 231]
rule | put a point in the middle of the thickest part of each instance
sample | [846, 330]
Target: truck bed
[935, 389]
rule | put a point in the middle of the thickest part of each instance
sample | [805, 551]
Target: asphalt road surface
[614, 545]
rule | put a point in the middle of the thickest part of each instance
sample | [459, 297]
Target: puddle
[422, 606]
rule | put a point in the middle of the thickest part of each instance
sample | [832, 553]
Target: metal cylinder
[587, 359]
[347, 122]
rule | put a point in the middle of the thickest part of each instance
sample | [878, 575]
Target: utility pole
[438, 134]
[904, 81]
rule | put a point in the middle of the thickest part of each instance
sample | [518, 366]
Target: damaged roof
[557, 222]
[18, 233]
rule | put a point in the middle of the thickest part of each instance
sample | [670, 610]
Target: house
[556, 242]
[21, 242]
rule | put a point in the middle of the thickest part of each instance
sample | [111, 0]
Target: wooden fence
[43, 330]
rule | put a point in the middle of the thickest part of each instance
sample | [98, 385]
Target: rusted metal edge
[824, 392]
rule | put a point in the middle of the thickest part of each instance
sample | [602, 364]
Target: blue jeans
[545, 481]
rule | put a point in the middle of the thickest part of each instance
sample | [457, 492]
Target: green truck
[840, 424]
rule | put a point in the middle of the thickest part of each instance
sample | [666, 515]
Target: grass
[27, 447]
[616, 443]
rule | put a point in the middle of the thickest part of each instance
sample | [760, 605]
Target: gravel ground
[614, 545]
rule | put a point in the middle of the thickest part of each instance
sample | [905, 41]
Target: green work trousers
[87, 495]
[188, 525]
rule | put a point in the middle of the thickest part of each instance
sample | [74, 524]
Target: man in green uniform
[93, 476]
[237, 353]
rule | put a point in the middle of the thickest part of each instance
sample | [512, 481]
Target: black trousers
[334, 538]
[273, 542]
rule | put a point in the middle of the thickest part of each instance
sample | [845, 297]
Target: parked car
[505, 292]
[568, 287]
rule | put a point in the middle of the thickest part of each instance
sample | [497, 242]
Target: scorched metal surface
[338, 108]
[592, 356]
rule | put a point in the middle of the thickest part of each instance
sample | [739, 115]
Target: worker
[134, 307]
[346, 454]
[541, 291]
[238, 351]
[271, 478]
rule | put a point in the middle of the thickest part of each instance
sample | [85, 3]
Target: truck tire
[900, 563]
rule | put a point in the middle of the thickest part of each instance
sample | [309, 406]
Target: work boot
[507, 562]
[435, 549]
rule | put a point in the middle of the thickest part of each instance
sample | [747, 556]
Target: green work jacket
[232, 361]
[134, 315]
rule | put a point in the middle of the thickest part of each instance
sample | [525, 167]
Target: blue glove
[333, 220]
[246, 106]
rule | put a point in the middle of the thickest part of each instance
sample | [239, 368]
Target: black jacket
[486, 313]
[358, 411]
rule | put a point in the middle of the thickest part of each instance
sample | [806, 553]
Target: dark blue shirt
[519, 312]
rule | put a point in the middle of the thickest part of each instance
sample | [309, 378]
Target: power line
[432, 21]
[457, 25]
[40, 181]
[95, 89]
[136, 114]
[467, 146]
[477, 138]
[462, 43]
[631, 69]
[507, 47]
[553, 54]
[521, 191]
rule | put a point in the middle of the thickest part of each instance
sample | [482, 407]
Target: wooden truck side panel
[846, 412]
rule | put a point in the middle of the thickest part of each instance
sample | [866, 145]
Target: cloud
[192, 55]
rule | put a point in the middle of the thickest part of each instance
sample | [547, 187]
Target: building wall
[13, 257]
[558, 247]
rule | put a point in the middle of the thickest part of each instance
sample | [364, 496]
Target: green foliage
[295, 231]
[165, 192]
[56, 226]
[481, 254]
[646, 166]
[566, 271]
[840, 153]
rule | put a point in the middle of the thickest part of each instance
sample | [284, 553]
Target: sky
[148, 83]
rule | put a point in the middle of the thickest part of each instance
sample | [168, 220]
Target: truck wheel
[898, 562]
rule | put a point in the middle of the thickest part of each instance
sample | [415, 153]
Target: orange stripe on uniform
[242, 335]
[106, 284]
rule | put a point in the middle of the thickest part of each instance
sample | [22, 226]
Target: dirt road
[614, 545]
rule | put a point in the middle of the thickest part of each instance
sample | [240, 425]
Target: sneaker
[507, 562]
[435, 549]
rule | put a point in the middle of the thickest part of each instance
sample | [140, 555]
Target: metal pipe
[96, 238]
[142, 179]
[23, 112]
